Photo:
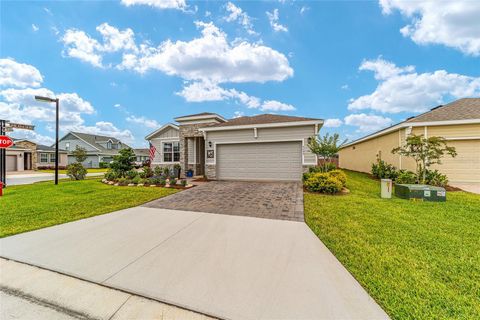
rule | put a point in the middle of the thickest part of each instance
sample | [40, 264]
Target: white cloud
[404, 90]
[345, 87]
[117, 105]
[238, 114]
[81, 46]
[272, 105]
[333, 123]
[33, 136]
[143, 121]
[367, 123]
[273, 19]
[159, 4]
[212, 58]
[304, 9]
[34, 28]
[454, 24]
[19, 75]
[237, 14]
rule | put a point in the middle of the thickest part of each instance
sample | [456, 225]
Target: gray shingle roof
[95, 140]
[462, 109]
[261, 119]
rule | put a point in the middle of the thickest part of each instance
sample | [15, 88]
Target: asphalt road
[13, 180]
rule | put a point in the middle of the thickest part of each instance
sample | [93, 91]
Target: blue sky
[123, 68]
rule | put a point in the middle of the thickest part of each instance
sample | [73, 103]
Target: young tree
[123, 162]
[425, 152]
[326, 146]
[76, 170]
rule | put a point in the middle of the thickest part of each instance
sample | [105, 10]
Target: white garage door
[260, 161]
[11, 163]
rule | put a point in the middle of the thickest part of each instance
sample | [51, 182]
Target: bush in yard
[147, 172]
[123, 162]
[326, 147]
[173, 181]
[406, 177]
[121, 181]
[166, 171]
[323, 183]
[183, 183]
[158, 171]
[131, 174]
[110, 175]
[340, 175]
[435, 178]
[76, 170]
[383, 170]
[136, 179]
[103, 165]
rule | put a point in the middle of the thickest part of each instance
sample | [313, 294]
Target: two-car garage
[11, 163]
[260, 161]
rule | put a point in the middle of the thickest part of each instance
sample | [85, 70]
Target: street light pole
[57, 103]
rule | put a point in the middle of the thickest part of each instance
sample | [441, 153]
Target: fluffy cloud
[273, 19]
[211, 57]
[238, 15]
[404, 90]
[35, 28]
[19, 75]
[367, 123]
[454, 24]
[333, 123]
[272, 105]
[143, 121]
[33, 136]
[81, 46]
[159, 4]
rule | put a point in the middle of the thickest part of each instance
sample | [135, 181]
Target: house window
[43, 157]
[171, 152]
[109, 145]
[67, 145]
[52, 157]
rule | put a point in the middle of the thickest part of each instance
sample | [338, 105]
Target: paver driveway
[272, 200]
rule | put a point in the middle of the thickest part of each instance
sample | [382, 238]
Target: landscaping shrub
[147, 172]
[131, 174]
[340, 175]
[162, 182]
[136, 179]
[76, 171]
[110, 175]
[166, 171]
[323, 183]
[183, 183]
[383, 170]
[123, 162]
[103, 165]
[406, 177]
[173, 181]
[121, 181]
[158, 171]
[435, 178]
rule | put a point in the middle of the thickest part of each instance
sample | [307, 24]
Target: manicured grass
[92, 170]
[39, 205]
[418, 260]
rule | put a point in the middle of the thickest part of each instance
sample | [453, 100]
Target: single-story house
[262, 147]
[27, 155]
[99, 148]
[458, 122]
[141, 155]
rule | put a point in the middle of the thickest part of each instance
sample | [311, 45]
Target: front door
[27, 161]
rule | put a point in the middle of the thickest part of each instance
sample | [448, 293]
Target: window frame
[173, 152]
[46, 157]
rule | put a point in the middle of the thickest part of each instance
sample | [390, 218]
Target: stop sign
[5, 142]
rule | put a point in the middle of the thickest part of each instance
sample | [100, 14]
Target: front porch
[192, 156]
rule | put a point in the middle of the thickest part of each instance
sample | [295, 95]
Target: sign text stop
[5, 142]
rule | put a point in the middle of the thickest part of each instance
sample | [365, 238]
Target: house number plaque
[210, 154]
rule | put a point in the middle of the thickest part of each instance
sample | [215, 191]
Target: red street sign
[5, 142]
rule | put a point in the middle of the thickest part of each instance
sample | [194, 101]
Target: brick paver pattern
[271, 200]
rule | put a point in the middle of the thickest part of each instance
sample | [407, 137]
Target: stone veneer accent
[211, 171]
[33, 148]
[188, 131]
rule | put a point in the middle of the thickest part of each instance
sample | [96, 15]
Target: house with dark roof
[458, 122]
[28, 155]
[263, 147]
[99, 148]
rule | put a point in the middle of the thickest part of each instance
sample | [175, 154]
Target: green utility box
[420, 192]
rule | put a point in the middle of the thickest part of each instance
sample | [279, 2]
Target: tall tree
[326, 146]
[425, 152]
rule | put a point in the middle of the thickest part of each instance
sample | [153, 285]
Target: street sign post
[20, 126]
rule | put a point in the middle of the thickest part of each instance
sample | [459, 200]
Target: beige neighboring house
[458, 122]
[27, 155]
[263, 147]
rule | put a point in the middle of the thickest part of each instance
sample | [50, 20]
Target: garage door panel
[11, 163]
[260, 161]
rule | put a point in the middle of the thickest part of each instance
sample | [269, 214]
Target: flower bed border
[176, 186]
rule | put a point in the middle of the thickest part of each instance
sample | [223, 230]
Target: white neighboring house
[263, 147]
[99, 148]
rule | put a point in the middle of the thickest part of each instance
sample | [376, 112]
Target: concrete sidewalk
[28, 292]
[20, 179]
[230, 267]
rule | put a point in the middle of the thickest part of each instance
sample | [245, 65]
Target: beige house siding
[463, 168]
[301, 133]
[169, 134]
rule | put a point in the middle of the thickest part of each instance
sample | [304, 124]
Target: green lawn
[39, 205]
[418, 260]
[91, 170]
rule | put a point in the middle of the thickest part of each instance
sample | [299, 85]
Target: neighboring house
[458, 122]
[27, 155]
[263, 147]
[99, 148]
[141, 155]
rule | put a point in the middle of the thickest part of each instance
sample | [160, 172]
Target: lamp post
[50, 100]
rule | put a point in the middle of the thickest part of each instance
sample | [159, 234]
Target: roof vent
[436, 107]
[410, 118]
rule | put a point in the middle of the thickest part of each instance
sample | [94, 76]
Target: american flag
[152, 152]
